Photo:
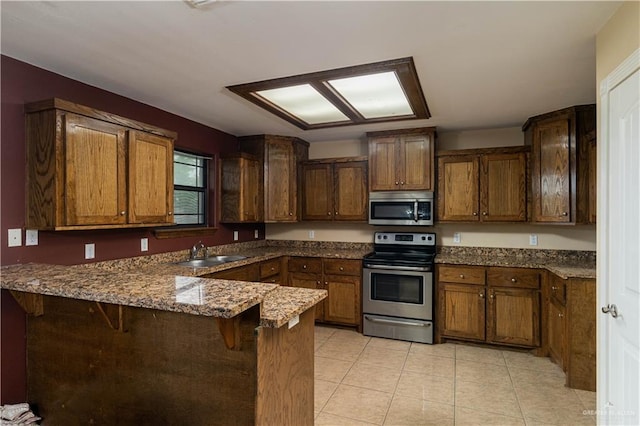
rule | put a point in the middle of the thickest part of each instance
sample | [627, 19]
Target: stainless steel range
[397, 298]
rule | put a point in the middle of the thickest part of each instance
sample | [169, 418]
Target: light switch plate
[15, 237]
[90, 251]
[533, 239]
[235, 235]
[312, 234]
[256, 234]
[144, 244]
[456, 237]
[31, 237]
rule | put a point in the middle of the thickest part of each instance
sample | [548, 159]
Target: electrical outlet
[312, 234]
[31, 237]
[533, 239]
[235, 235]
[256, 234]
[456, 237]
[144, 244]
[15, 237]
[90, 251]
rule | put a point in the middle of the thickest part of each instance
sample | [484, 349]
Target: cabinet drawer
[342, 267]
[269, 267]
[461, 274]
[513, 277]
[305, 264]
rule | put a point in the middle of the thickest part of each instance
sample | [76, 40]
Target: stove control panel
[405, 238]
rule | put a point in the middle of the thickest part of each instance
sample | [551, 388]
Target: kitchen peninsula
[133, 346]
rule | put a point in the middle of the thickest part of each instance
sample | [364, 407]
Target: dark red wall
[23, 83]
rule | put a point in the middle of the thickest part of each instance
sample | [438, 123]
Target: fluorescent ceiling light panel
[304, 102]
[360, 94]
[374, 95]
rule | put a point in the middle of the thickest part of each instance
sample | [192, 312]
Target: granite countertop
[564, 268]
[191, 295]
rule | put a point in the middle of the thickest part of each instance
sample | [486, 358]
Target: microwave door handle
[415, 211]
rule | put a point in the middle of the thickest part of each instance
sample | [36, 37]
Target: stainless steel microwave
[401, 208]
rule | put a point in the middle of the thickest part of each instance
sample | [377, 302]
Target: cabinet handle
[481, 295]
[513, 280]
[122, 213]
[484, 213]
[565, 214]
[475, 213]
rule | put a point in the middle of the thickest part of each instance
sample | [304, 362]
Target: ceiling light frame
[404, 69]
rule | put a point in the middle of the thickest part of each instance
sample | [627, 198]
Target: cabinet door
[416, 172]
[280, 182]
[462, 311]
[458, 180]
[556, 334]
[240, 190]
[95, 174]
[150, 178]
[351, 191]
[317, 196]
[552, 174]
[384, 158]
[503, 188]
[342, 305]
[513, 316]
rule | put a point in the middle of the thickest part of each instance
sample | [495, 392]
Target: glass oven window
[392, 210]
[397, 288]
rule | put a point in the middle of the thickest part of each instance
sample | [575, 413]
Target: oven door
[398, 293]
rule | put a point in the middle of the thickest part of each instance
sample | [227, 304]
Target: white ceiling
[481, 64]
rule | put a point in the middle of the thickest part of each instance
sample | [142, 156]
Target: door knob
[610, 309]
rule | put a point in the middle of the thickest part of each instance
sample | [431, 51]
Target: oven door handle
[415, 211]
[399, 268]
[388, 321]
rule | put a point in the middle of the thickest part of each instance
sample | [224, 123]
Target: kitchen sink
[210, 261]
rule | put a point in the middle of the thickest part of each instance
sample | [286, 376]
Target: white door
[619, 246]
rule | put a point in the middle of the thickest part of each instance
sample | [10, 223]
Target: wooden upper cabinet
[335, 189]
[483, 185]
[560, 178]
[150, 178]
[281, 157]
[88, 169]
[241, 198]
[402, 160]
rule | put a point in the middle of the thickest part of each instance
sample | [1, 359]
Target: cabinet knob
[326, 283]
[336, 213]
[397, 182]
[318, 282]
[560, 315]
[513, 280]
[475, 213]
[484, 213]
[491, 296]
[304, 266]
[481, 295]
[565, 214]
[328, 213]
[401, 183]
[122, 213]
[273, 269]
[170, 213]
[554, 288]
[461, 275]
[341, 268]
[290, 214]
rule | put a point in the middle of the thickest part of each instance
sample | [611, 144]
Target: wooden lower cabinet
[342, 278]
[492, 305]
[241, 273]
[571, 329]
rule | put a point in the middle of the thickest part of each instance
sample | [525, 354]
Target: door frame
[619, 74]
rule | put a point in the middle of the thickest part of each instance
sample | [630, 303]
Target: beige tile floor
[362, 380]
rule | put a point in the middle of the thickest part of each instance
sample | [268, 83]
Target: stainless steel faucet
[196, 249]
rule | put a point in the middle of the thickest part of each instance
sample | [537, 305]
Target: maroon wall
[23, 83]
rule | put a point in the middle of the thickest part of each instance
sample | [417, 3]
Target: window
[190, 188]
[377, 92]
